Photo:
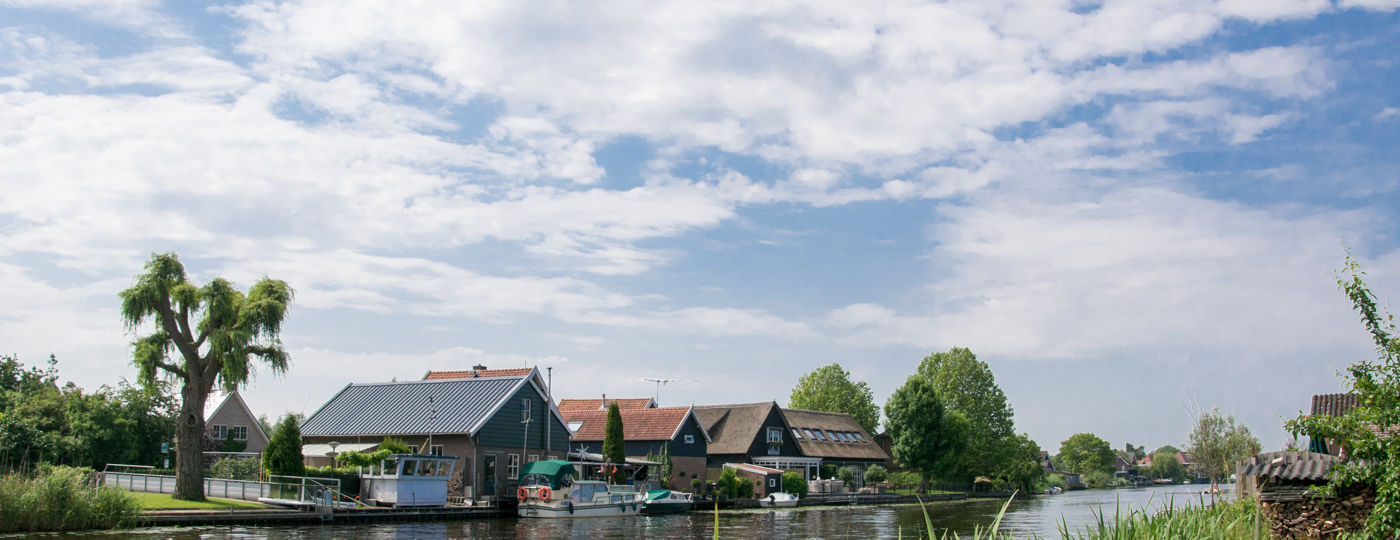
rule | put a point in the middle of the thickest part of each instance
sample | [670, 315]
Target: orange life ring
[544, 494]
[522, 493]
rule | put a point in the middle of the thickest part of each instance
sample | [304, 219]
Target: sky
[1132, 211]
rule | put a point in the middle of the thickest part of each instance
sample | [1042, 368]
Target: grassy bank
[161, 501]
[60, 499]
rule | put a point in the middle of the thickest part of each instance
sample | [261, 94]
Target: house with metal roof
[836, 438]
[645, 430]
[493, 423]
[756, 433]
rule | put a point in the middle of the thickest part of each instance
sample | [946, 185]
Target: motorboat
[665, 501]
[778, 500]
[548, 490]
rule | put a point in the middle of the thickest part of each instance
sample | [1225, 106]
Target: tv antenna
[660, 381]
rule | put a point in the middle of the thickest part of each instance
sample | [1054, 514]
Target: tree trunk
[189, 447]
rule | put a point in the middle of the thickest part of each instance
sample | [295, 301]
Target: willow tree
[202, 336]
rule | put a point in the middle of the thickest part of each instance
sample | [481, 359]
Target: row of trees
[42, 421]
[950, 420]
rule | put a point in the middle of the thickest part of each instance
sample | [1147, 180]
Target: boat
[665, 501]
[548, 490]
[778, 500]
[1054, 490]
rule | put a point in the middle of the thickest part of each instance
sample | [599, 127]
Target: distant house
[569, 405]
[232, 427]
[481, 419]
[644, 430]
[765, 480]
[756, 433]
[837, 439]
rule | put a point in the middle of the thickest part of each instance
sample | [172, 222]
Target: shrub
[696, 485]
[394, 446]
[1098, 479]
[795, 484]
[745, 488]
[60, 499]
[873, 475]
[234, 468]
[846, 475]
[728, 484]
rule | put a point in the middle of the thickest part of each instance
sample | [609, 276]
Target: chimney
[604, 406]
[478, 367]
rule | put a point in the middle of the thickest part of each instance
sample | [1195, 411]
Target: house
[765, 480]
[837, 439]
[492, 422]
[567, 405]
[645, 430]
[232, 428]
[756, 433]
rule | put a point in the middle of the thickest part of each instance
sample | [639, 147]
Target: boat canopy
[552, 470]
[658, 494]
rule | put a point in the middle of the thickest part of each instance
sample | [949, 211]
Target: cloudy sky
[1129, 210]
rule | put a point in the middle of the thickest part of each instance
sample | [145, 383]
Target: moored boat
[665, 501]
[778, 500]
[548, 490]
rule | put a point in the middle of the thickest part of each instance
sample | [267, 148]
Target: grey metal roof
[402, 408]
[1293, 466]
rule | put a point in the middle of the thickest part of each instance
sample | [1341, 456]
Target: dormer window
[775, 435]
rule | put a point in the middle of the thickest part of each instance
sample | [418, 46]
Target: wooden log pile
[1318, 517]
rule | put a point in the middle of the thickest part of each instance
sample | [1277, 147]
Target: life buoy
[522, 494]
[544, 494]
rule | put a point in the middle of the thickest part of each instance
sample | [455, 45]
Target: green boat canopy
[552, 469]
[658, 494]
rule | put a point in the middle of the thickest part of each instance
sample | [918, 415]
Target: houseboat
[548, 490]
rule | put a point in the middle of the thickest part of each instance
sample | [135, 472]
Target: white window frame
[234, 433]
[513, 466]
[772, 482]
[219, 431]
[690, 439]
[533, 458]
[435, 450]
[775, 435]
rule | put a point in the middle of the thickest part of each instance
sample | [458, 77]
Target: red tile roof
[637, 424]
[474, 373]
[585, 405]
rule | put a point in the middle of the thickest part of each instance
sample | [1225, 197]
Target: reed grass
[62, 500]
[1238, 520]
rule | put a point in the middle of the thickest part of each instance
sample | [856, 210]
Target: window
[809, 433]
[524, 409]
[860, 438]
[240, 433]
[220, 432]
[819, 436]
[690, 439]
[775, 435]
[513, 466]
[846, 437]
[795, 434]
[831, 436]
[435, 450]
[533, 458]
[772, 482]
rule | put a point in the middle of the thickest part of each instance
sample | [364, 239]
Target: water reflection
[1040, 516]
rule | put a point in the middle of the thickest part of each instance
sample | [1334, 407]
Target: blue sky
[1129, 210]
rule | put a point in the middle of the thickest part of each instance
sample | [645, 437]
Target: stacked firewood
[1318, 517]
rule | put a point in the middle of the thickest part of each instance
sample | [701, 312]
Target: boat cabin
[409, 480]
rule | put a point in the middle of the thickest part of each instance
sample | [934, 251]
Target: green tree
[925, 435]
[966, 385]
[795, 484]
[1085, 453]
[1217, 442]
[203, 336]
[1367, 431]
[728, 483]
[875, 474]
[1166, 448]
[283, 453]
[830, 389]
[1022, 470]
[614, 447]
[846, 475]
[1165, 466]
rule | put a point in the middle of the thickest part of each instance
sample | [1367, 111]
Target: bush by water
[61, 499]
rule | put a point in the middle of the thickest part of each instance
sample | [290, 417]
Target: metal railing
[213, 487]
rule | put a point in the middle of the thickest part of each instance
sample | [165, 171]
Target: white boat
[548, 490]
[665, 501]
[778, 500]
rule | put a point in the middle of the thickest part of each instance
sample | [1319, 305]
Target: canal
[1040, 516]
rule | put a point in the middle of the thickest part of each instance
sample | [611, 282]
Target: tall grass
[1238, 520]
[60, 499]
[990, 533]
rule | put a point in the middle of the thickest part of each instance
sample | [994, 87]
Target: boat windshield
[535, 480]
